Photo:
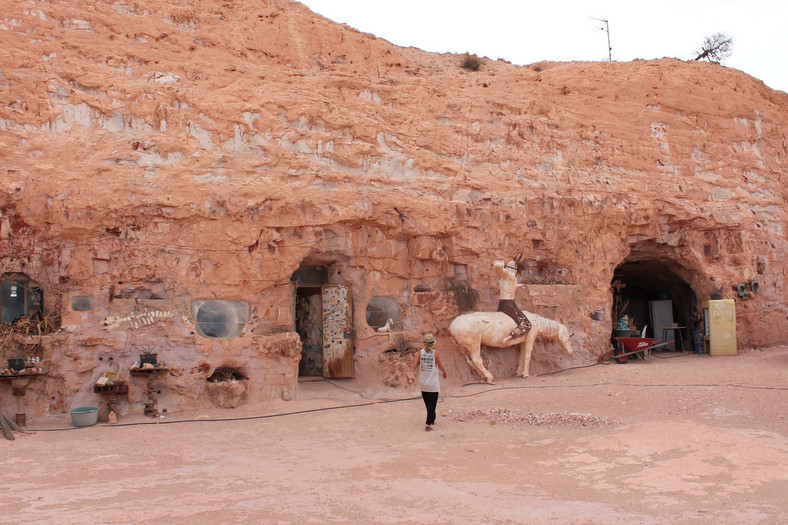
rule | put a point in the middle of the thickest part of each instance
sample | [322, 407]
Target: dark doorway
[653, 294]
[309, 280]
[324, 322]
[309, 325]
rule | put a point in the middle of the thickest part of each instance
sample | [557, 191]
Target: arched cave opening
[652, 292]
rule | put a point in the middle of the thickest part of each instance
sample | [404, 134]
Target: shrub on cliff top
[471, 62]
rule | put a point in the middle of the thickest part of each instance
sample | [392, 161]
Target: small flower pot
[17, 365]
[148, 359]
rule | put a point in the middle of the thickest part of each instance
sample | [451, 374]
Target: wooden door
[338, 331]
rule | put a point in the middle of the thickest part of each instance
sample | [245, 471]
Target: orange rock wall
[155, 153]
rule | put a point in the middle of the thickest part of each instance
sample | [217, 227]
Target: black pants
[430, 401]
[510, 308]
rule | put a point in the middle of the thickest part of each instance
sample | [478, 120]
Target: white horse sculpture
[388, 326]
[470, 331]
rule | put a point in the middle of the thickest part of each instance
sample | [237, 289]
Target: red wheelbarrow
[635, 346]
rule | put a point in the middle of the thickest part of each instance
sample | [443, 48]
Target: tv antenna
[606, 29]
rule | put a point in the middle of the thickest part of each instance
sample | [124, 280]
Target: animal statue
[388, 326]
[471, 331]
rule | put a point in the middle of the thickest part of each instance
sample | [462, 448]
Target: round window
[218, 318]
[382, 311]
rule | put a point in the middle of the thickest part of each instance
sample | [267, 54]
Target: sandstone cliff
[154, 154]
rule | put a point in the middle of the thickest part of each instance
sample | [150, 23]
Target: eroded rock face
[227, 394]
[156, 154]
[396, 368]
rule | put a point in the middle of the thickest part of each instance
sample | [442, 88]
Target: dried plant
[15, 337]
[8, 343]
[620, 306]
[471, 62]
[400, 343]
[147, 349]
[465, 297]
[221, 375]
[226, 374]
[34, 325]
[715, 48]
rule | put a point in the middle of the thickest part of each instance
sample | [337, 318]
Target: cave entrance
[323, 320]
[653, 294]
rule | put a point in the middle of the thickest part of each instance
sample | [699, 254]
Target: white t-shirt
[428, 372]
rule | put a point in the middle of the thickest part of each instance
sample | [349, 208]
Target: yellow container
[720, 332]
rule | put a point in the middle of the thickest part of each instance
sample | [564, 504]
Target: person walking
[427, 362]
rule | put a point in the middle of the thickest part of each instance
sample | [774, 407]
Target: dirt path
[687, 440]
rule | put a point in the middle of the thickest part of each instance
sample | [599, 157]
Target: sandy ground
[672, 440]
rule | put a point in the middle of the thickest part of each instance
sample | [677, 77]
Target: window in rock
[382, 311]
[82, 303]
[220, 318]
[19, 297]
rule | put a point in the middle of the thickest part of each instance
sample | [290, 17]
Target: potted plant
[626, 328]
[622, 324]
[16, 364]
[148, 356]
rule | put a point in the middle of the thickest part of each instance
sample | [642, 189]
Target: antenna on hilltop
[606, 29]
